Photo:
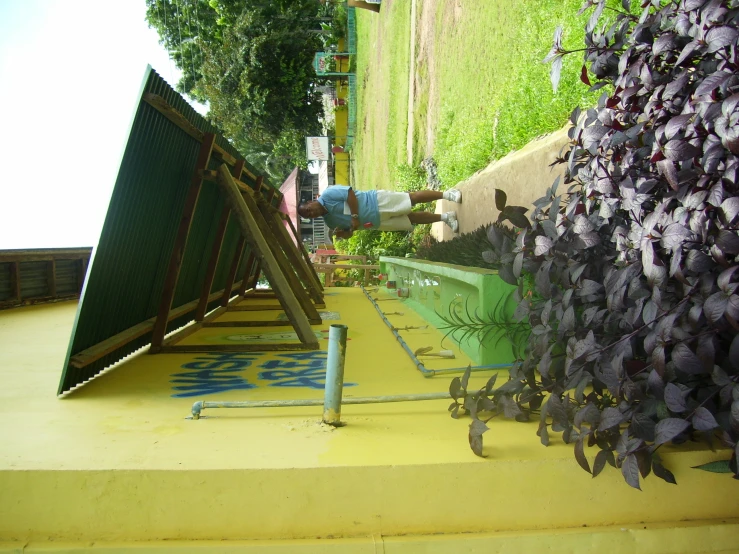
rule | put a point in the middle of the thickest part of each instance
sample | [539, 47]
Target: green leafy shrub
[409, 178]
[373, 244]
[465, 249]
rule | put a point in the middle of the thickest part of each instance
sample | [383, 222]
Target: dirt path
[423, 55]
[411, 85]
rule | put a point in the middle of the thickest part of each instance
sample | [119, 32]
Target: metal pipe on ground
[200, 405]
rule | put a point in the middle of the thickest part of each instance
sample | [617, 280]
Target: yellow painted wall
[341, 168]
[118, 461]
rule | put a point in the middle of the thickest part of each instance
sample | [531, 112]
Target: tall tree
[252, 61]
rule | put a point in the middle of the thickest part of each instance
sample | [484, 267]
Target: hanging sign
[316, 148]
[324, 62]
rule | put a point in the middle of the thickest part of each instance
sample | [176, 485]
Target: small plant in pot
[634, 309]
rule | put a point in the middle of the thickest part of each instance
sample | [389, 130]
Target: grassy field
[383, 61]
[481, 89]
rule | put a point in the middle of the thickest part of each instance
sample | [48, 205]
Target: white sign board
[316, 148]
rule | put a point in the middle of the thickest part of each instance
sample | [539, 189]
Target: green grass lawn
[383, 60]
[483, 93]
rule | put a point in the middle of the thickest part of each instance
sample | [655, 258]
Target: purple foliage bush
[628, 279]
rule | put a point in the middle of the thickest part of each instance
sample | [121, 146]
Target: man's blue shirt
[339, 215]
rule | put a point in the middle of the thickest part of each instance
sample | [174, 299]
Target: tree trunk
[363, 5]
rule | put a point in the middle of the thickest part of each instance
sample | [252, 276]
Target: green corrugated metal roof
[126, 275]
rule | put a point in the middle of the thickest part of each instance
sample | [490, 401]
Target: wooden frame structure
[294, 283]
[41, 276]
[227, 233]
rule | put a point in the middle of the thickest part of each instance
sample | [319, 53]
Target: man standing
[344, 209]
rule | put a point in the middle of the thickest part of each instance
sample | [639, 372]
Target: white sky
[70, 74]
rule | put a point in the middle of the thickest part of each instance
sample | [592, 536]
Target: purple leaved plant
[628, 278]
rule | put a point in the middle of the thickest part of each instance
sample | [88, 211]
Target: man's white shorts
[394, 209]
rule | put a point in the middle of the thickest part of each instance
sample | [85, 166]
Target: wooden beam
[333, 267]
[210, 271]
[291, 252]
[272, 236]
[163, 107]
[238, 169]
[51, 276]
[246, 211]
[31, 301]
[301, 246]
[15, 279]
[254, 279]
[44, 254]
[263, 347]
[178, 250]
[216, 252]
[238, 252]
[188, 330]
[97, 351]
[250, 263]
[270, 323]
[289, 268]
[342, 257]
[80, 269]
[254, 307]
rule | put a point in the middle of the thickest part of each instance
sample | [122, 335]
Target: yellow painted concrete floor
[117, 462]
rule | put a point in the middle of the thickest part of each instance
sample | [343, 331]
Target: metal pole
[334, 375]
[200, 405]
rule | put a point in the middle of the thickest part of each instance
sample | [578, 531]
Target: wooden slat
[44, 255]
[265, 347]
[291, 252]
[6, 304]
[163, 107]
[97, 351]
[333, 267]
[301, 246]
[249, 266]
[254, 279]
[210, 271]
[270, 323]
[288, 269]
[15, 277]
[188, 330]
[246, 215]
[254, 307]
[81, 269]
[178, 250]
[215, 253]
[51, 277]
[238, 252]
[238, 169]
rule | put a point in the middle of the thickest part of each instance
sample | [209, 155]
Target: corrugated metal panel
[6, 283]
[34, 279]
[67, 272]
[127, 273]
[42, 275]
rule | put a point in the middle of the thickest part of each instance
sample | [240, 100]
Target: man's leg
[425, 196]
[419, 218]
[450, 218]
[422, 196]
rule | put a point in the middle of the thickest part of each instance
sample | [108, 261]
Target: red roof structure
[289, 204]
